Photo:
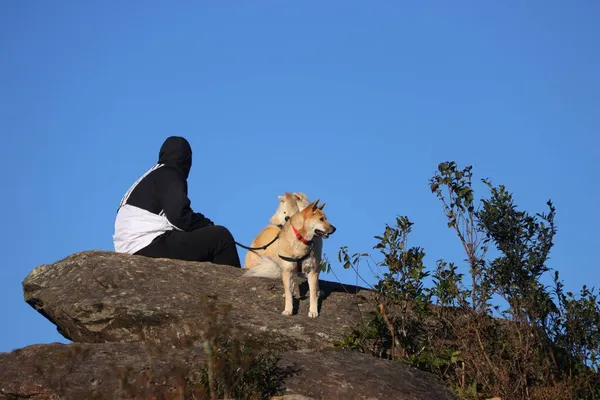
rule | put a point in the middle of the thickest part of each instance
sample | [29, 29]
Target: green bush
[538, 343]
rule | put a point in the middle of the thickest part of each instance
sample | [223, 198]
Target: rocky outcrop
[133, 370]
[140, 326]
[96, 297]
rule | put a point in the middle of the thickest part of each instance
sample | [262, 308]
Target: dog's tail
[266, 267]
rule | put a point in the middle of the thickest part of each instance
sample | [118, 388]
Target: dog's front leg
[286, 275]
[313, 287]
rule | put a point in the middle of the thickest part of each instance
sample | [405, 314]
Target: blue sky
[352, 102]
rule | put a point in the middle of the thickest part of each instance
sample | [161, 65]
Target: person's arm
[176, 204]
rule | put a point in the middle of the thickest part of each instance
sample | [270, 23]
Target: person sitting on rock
[154, 218]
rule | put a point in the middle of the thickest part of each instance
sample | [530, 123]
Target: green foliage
[397, 328]
[448, 289]
[242, 372]
[545, 346]
[454, 189]
[373, 337]
[406, 271]
[525, 243]
[575, 329]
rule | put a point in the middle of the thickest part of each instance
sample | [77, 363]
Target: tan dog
[289, 204]
[295, 254]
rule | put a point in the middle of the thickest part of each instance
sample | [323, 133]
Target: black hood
[176, 152]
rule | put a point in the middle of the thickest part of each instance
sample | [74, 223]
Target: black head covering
[176, 152]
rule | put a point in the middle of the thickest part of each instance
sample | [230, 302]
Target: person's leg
[212, 243]
[156, 249]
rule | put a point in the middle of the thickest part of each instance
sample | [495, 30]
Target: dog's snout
[333, 229]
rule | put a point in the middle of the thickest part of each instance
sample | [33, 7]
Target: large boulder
[136, 371]
[142, 326]
[97, 296]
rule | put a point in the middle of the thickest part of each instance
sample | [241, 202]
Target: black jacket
[166, 190]
[161, 193]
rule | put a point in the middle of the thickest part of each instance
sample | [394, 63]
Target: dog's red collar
[299, 236]
[303, 240]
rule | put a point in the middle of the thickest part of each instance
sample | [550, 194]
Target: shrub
[537, 342]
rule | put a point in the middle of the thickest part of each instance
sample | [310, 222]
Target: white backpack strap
[128, 193]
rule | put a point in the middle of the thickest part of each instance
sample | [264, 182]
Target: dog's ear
[290, 197]
[311, 208]
[281, 198]
[322, 206]
[300, 196]
[314, 205]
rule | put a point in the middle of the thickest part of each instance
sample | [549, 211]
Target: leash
[266, 245]
[309, 243]
[261, 247]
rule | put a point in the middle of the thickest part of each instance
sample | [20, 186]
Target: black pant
[212, 243]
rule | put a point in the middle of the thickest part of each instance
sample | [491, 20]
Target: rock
[138, 371]
[139, 326]
[351, 375]
[96, 296]
[96, 371]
